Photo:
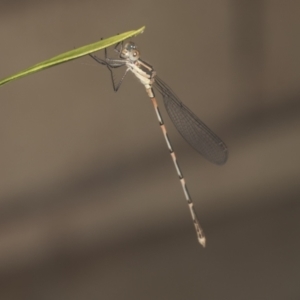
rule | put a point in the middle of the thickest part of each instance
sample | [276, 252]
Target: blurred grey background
[90, 203]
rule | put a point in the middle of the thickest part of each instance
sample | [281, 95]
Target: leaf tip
[141, 30]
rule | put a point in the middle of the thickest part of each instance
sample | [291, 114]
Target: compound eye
[135, 54]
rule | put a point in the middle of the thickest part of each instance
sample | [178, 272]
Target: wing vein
[192, 129]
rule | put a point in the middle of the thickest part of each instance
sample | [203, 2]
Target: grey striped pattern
[199, 230]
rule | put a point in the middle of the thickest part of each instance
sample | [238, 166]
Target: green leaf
[73, 54]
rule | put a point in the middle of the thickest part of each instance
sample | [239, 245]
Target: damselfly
[192, 129]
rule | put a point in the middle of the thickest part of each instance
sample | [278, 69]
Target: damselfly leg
[111, 63]
[119, 46]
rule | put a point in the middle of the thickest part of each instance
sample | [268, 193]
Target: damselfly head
[130, 51]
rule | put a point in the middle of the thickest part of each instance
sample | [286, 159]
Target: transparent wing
[192, 129]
